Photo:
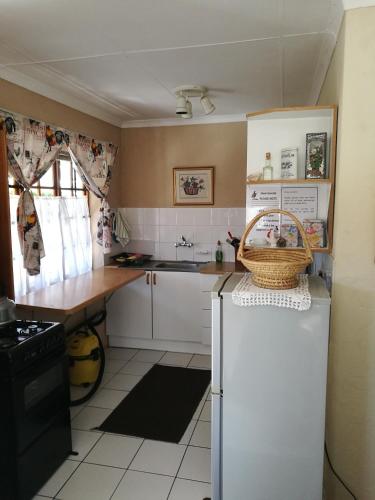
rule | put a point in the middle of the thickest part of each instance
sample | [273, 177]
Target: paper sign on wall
[301, 201]
[259, 198]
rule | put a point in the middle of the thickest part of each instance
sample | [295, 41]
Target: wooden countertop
[74, 294]
[224, 267]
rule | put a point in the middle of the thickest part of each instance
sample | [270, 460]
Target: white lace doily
[247, 294]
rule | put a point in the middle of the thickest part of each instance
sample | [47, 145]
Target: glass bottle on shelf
[268, 168]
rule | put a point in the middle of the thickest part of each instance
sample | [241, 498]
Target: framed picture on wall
[193, 185]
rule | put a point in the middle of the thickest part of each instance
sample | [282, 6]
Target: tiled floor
[110, 466]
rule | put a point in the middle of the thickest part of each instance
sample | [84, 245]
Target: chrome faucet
[183, 243]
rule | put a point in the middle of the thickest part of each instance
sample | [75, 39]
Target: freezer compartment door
[216, 406]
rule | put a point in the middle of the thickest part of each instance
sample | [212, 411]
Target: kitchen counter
[203, 267]
[75, 294]
[223, 268]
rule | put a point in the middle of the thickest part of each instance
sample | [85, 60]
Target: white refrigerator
[269, 372]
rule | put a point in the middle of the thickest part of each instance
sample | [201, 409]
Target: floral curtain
[33, 146]
[93, 161]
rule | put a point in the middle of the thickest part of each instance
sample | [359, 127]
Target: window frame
[56, 187]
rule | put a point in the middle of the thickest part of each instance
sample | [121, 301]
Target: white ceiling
[119, 60]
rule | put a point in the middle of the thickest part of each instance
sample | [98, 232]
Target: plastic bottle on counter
[219, 252]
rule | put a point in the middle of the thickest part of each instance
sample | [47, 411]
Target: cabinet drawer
[206, 320]
[206, 335]
[207, 282]
[206, 300]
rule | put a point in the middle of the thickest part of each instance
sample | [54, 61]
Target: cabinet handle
[154, 278]
[148, 278]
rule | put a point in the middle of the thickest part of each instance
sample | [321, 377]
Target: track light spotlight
[189, 110]
[207, 105]
[181, 105]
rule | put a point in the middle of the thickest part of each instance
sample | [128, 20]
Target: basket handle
[252, 223]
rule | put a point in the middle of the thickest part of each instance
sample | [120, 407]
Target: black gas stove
[34, 420]
[23, 342]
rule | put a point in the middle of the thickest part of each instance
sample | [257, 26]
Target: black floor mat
[161, 405]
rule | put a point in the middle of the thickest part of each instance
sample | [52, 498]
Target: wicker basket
[275, 268]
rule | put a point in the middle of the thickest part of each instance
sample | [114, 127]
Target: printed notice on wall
[262, 197]
[301, 201]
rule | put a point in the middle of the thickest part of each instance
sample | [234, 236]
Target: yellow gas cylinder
[84, 358]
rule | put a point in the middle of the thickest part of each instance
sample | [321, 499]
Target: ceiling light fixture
[207, 105]
[184, 106]
[189, 110]
[181, 107]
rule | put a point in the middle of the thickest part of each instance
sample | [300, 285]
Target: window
[62, 207]
[60, 180]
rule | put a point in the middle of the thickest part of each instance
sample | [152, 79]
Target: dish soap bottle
[268, 169]
[219, 253]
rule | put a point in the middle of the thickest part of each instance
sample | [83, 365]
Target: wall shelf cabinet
[274, 129]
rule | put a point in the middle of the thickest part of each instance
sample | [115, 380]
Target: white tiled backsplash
[155, 230]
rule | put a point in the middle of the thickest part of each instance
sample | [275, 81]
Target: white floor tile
[74, 410]
[148, 356]
[91, 482]
[38, 497]
[123, 382]
[106, 378]
[52, 486]
[188, 433]
[113, 365]
[114, 451]
[206, 412]
[158, 457]
[89, 418]
[143, 486]
[78, 392]
[83, 441]
[107, 398]
[198, 410]
[209, 397]
[176, 359]
[202, 435]
[120, 353]
[196, 464]
[184, 489]
[136, 368]
[201, 361]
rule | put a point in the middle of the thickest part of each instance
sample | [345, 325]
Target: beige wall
[149, 155]
[21, 100]
[351, 393]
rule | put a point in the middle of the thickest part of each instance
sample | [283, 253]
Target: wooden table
[75, 294]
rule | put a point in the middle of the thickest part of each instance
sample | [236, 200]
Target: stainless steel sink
[179, 266]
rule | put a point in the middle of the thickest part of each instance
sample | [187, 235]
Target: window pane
[65, 174]
[47, 179]
[47, 192]
[80, 193]
[79, 183]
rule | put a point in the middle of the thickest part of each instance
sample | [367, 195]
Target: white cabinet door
[129, 311]
[176, 306]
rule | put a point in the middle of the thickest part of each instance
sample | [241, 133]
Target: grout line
[183, 457]
[68, 479]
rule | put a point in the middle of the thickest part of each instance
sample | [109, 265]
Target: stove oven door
[40, 395]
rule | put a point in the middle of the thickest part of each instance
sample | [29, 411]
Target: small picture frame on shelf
[288, 166]
[315, 232]
[316, 153]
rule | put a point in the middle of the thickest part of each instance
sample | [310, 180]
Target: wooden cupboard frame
[293, 112]
[6, 257]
